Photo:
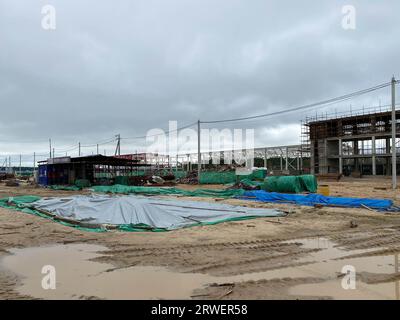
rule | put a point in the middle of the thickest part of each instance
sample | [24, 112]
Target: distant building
[352, 143]
[66, 170]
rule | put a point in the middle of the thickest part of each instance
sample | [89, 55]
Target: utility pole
[34, 161]
[9, 164]
[394, 173]
[79, 148]
[118, 148]
[50, 147]
[20, 164]
[53, 153]
[198, 152]
[97, 146]
[119, 144]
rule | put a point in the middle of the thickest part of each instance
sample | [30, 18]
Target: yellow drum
[323, 189]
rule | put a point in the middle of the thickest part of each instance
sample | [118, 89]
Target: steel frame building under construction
[353, 143]
[280, 159]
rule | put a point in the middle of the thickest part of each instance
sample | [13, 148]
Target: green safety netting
[122, 180]
[206, 177]
[258, 174]
[110, 175]
[225, 177]
[82, 183]
[16, 201]
[25, 173]
[291, 184]
[67, 188]
[168, 191]
[125, 179]
[179, 174]
[309, 182]
[139, 173]
[21, 203]
[212, 177]
[251, 183]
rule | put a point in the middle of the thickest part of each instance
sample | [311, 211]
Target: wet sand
[297, 257]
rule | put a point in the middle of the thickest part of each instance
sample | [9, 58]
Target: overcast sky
[128, 66]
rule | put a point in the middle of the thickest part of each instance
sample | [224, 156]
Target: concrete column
[388, 166]
[356, 152]
[340, 156]
[325, 162]
[373, 156]
[287, 159]
[265, 157]
[388, 145]
[312, 157]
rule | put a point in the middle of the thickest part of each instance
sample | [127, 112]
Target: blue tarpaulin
[318, 199]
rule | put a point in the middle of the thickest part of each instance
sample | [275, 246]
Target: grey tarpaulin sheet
[153, 212]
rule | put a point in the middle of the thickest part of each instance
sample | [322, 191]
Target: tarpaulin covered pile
[318, 199]
[294, 184]
[168, 191]
[137, 213]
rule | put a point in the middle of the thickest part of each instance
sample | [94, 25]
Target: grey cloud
[128, 66]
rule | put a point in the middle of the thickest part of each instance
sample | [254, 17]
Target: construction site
[189, 153]
[281, 229]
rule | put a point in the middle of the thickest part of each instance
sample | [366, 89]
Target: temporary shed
[66, 170]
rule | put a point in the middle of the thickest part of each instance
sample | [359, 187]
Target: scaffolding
[357, 141]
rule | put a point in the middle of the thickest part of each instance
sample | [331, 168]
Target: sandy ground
[226, 249]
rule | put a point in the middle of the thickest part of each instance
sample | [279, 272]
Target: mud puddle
[375, 277]
[79, 278]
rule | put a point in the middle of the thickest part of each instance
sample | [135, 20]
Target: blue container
[42, 175]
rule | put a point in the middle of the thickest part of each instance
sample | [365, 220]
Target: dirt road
[266, 258]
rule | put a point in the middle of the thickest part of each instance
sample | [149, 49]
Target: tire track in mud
[261, 289]
[220, 258]
[386, 240]
[252, 265]
[237, 257]
[247, 245]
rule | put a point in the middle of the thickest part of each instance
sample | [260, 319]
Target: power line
[25, 141]
[75, 146]
[100, 144]
[307, 106]
[160, 134]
